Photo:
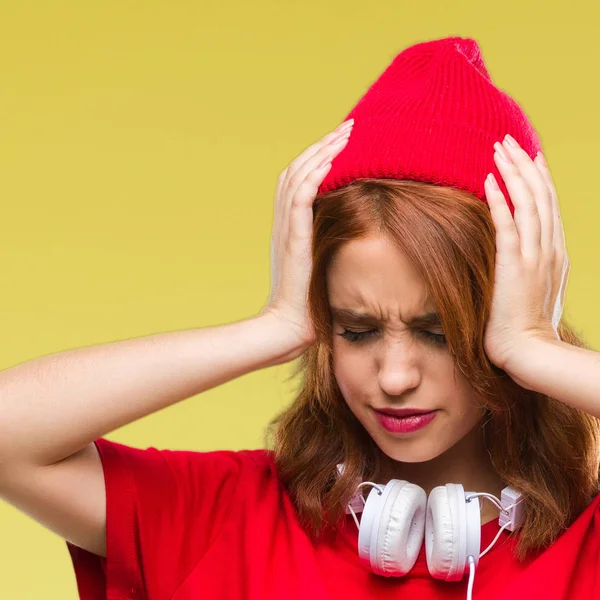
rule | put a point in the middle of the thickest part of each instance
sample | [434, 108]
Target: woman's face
[395, 363]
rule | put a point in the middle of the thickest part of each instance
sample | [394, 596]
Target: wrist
[292, 341]
[519, 363]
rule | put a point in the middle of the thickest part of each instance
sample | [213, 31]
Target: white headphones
[398, 516]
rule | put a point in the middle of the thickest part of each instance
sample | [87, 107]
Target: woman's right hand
[291, 240]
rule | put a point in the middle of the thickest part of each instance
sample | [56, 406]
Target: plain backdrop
[140, 143]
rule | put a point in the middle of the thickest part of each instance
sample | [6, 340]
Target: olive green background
[140, 143]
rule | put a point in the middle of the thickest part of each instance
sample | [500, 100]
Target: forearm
[53, 406]
[560, 370]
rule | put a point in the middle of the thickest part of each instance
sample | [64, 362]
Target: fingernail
[542, 159]
[340, 137]
[493, 183]
[345, 125]
[501, 152]
[325, 162]
[511, 141]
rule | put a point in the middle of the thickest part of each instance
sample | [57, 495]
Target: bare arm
[52, 407]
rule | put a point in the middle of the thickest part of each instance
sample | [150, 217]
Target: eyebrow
[430, 318]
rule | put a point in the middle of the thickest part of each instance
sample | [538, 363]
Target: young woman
[421, 279]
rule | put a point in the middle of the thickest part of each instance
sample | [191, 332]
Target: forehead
[374, 275]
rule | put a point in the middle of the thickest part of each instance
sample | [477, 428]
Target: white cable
[354, 515]
[471, 562]
[495, 539]
[379, 490]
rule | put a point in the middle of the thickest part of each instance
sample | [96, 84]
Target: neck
[467, 463]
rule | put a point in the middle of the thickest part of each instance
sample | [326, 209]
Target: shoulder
[164, 465]
[164, 510]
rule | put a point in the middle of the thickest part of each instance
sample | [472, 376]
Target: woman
[409, 281]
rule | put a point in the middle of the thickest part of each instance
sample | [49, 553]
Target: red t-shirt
[185, 525]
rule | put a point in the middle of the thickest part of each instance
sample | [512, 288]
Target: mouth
[404, 412]
[405, 420]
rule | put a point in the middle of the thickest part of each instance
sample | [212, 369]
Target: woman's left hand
[532, 266]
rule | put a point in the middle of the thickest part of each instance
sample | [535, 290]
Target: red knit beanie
[433, 115]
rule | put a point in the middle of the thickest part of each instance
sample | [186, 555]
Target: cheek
[464, 409]
[344, 379]
[471, 410]
[351, 373]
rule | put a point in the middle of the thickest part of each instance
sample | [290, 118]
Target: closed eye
[358, 336]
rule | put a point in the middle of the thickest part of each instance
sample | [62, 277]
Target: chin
[419, 448]
[414, 451]
[425, 444]
[416, 447]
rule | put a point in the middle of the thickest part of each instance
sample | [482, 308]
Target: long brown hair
[546, 449]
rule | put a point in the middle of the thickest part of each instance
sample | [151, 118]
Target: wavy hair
[545, 448]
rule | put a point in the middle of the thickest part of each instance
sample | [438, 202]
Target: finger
[564, 282]
[304, 185]
[301, 213]
[280, 216]
[507, 237]
[526, 215]
[539, 191]
[278, 210]
[561, 259]
[329, 150]
[314, 148]
[297, 163]
[558, 230]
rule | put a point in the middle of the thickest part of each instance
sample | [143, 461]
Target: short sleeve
[164, 508]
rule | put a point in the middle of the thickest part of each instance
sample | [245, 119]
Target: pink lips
[406, 424]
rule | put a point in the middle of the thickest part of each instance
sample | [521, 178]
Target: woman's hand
[291, 240]
[532, 266]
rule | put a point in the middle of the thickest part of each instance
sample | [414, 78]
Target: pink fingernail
[346, 125]
[340, 137]
[325, 162]
[542, 159]
[502, 153]
[493, 183]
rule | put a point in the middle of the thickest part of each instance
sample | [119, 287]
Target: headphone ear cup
[391, 528]
[452, 532]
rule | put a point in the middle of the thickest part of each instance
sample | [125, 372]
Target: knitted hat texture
[433, 115]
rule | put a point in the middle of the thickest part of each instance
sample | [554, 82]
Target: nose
[398, 368]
